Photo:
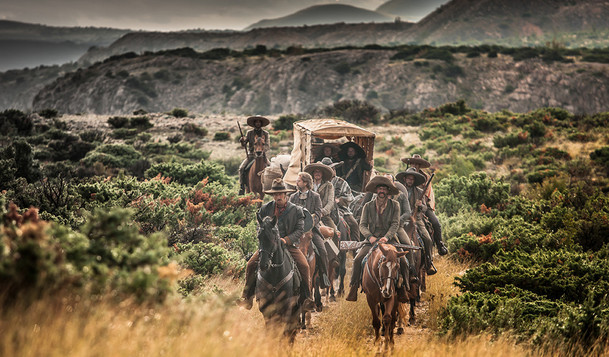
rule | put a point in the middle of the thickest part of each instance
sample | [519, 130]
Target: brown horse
[379, 283]
[254, 179]
[306, 246]
[414, 294]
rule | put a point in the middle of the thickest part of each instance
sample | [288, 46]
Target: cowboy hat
[359, 152]
[278, 186]
[326, 172]
[416, 159]
[418, 177]
[251, 121]
[328, 162]
[382, 181]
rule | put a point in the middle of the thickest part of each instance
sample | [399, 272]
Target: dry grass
[215, 327]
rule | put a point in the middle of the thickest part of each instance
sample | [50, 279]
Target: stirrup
[432, 269]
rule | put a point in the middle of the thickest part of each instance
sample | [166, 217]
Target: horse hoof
[400, 330]
[411, 321]
[333, 298]
[319, 308]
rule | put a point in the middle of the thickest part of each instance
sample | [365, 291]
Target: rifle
[352, 245]
[245, 147]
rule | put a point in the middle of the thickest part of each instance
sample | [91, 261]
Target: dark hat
[278, 186]
[359, 152]
[328, 162]
[326, 172]
[382, 181]
[418, 177]
[252, 120]
[416, 159]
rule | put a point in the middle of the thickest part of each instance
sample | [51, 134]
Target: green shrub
[454, 193]
[342, 68]
[209, 258]
[190, 175]
[190, 128]
[179, 113]
[49, 113]
[118, 122]
[113, 155]
[221, 136]
[175, 138]
[286, 122]
[13, 121]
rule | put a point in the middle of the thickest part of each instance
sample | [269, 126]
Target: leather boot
[442, 250]
[352, 296]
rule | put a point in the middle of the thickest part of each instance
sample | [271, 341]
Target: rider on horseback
[248, 141]
[310, 200]
[290, 223]
[379, 223]
[411, 179]
[419, 164]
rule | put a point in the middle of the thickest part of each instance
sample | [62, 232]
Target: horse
[306, 246]
[338, 269]
[414, 293]
[254, 180]
[379, 284]
[277, 280]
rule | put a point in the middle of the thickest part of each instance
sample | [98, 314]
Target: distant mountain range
[324, 14]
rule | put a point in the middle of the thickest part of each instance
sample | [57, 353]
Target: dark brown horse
[379, 283]
[254, 179]
[414, 293]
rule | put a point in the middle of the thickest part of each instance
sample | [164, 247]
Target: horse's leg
[412, 319]
[376, 321]
[401, 318]
[342, 271]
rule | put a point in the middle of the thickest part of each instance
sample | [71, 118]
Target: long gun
[242, 141]
[352, 245]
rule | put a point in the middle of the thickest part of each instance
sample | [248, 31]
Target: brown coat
[385, 225]
[312, 203]
[326, 192]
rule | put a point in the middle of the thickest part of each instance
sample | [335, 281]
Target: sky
[159, 15]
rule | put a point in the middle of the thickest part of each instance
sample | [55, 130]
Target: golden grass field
[211, 325]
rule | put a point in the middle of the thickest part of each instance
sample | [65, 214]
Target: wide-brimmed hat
[418, 177]
[334, 147]
[328, 162]
[252, 120]
[278, 186]
[382, 181]
[359, 152]
[326, 172]
[416, 159]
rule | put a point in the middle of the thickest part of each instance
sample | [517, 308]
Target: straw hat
[416, 159]
[382, 181]
[278, 186]
[418, 177]
[252, 120]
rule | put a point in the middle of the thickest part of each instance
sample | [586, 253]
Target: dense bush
[286, 122]
[457, 193]
[354, 111]
[209, 258]
[189, 174]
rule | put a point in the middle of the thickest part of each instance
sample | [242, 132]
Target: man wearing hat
[411, 179]
[379, 224]
[352, 171]
[419, 164]
[343, 196]
[290, 223]
[248, 141]
[310, 200]
[322, 176]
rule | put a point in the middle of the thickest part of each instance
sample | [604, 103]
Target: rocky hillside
[324, 14]
[273, 82]
[515, 22]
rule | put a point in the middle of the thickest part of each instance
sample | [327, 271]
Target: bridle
[390, 279]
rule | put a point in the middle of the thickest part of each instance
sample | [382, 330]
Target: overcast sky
[163, 15]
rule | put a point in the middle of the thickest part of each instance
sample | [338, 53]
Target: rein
[378, 283]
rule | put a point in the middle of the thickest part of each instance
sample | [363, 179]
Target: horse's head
[268, 240]
[389, 268]
[259, 146]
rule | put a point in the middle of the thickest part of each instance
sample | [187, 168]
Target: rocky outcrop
[301, 83]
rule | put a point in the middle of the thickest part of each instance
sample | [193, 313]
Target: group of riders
[396, 210]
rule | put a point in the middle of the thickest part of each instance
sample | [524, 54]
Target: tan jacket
[326, 192]
[385, 225]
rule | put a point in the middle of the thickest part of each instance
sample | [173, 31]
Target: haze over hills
[30, 45]
[410, 10]
[323, 14]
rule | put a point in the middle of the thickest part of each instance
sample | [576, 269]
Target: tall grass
[211, 325]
